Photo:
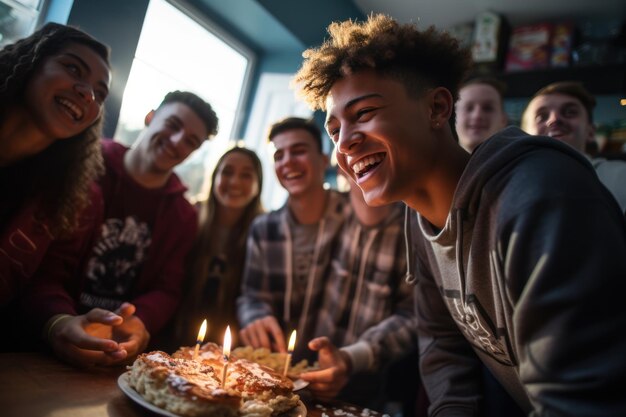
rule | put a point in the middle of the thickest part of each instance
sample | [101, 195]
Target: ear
[149, 117]
[441, 107]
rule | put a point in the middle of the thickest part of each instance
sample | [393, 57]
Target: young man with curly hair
[519, 247]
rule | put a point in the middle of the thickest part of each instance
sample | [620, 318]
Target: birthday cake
[194, 387]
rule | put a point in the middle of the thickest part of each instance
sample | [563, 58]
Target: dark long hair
[205, 248]
[59, 177]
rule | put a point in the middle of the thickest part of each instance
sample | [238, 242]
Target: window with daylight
[179, 51]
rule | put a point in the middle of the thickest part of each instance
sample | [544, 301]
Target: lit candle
[292, 344]
[200, 339]
[226, 353]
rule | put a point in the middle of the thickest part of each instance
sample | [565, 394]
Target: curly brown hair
[60, 176]
[418, 59]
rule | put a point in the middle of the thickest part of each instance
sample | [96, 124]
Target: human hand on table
[99, 337]
[260, 333]
[334, 371]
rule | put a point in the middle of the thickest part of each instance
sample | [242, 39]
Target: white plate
[122, 382]
[298, 384]
[130, 392]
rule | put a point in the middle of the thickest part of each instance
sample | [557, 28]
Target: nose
[177, 137]
[553, 117]
[476, 113]
[348, 141]
[85, 91]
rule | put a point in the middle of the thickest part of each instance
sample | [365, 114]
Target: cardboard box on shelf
[529, 47]
[562, 40]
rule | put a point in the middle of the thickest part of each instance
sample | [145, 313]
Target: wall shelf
[609, 79]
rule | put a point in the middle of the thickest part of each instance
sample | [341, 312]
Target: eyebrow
[180, 124]
[86, 68]
[355, 101]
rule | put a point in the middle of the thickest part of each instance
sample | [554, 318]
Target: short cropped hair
[293, 123]
[418, 59]
[199, 106]
[498, 85]
[570, 88]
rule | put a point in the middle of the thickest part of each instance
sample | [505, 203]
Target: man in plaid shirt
[367, 307]
[325, 267]
[289, 249]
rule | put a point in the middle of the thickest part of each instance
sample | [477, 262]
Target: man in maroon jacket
[134, 271]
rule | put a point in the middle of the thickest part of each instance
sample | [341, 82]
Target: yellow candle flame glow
[202, 332]
[200, 339]
[290, 347]
[227, 342]
[292, 341]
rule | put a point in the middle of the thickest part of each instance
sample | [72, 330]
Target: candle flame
[202, 331]
[292, 341]
[227, 342]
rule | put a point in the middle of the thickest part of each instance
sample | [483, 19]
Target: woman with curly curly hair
[52, 90]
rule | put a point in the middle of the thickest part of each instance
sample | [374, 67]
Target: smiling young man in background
[564, 111]
[479, 111]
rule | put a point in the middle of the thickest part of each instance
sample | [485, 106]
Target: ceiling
[445, 13]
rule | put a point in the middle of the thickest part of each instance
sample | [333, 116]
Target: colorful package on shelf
[562, 39]
[486, 38]
[529, 47]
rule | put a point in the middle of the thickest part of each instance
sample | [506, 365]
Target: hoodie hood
[495, 157]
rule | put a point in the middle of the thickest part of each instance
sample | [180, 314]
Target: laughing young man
[289, 249]
[136, 265]
[519, 247]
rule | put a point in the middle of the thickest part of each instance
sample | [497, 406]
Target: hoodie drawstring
[459, 255]
[289, 272]
[350, 334]
[312, 273]
[311, 279]
[409, 278]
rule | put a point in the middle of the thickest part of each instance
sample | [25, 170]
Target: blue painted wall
[118, 24]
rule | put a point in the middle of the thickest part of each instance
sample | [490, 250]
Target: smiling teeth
[367, 162]
[74, 109]
[292, 175]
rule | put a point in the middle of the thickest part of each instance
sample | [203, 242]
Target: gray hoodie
[530, 269]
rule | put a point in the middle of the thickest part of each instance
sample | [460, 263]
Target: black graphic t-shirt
[115, 262]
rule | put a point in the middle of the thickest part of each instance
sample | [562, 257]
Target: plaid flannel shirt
[367, 306]
[267, 282]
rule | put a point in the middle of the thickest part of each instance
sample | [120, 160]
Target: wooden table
[37, 385]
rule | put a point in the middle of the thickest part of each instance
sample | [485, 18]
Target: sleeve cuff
[361, 355]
